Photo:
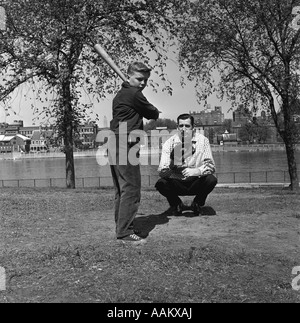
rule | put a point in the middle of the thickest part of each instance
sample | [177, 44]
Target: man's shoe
[133, 238]
[175, 210]
[196, 208]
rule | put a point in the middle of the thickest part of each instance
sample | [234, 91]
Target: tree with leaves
[255, 48]
[49, 43]
[248, 133]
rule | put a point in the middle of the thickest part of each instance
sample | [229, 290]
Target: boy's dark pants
[127, 183]
[173, 188]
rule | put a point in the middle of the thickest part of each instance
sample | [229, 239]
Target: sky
[183, 100]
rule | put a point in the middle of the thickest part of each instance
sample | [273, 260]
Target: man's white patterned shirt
[195, 154]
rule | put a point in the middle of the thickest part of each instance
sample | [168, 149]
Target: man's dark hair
[138, 67]
[186, 116]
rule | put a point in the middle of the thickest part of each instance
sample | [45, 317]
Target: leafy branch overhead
[54, 39]
[49, 43]
[255, 49]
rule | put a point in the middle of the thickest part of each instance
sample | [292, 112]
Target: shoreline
[143, 151]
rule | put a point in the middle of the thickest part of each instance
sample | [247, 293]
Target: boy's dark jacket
[131, 106]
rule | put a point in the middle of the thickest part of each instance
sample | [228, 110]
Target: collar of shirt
[177, 138]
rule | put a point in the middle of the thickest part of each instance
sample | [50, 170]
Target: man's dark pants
[127, 183]
[198, 187]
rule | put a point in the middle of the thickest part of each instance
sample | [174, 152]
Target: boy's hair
[138, 67]
[186, 116]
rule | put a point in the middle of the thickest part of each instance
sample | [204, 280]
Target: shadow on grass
[145, 224]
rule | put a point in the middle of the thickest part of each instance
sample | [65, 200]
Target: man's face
[139, 79]
[185, 127]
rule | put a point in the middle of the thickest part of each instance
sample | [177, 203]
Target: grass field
[59, 246]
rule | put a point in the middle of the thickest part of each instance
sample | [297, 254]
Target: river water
[226, 162]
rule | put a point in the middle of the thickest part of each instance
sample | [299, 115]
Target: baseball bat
[108, 60]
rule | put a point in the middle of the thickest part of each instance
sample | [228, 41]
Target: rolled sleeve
[207, 163]
[165, 160]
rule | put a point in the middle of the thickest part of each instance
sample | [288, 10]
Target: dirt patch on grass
[59, 246]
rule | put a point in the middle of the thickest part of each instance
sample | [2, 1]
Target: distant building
[16, 143]
[227, 138]
[44, 136]
[208, 120]
[88, 133]
[39, 142]
[17, 127]
[28, 131]
[12, 130]
[208, 117]
[241, 116]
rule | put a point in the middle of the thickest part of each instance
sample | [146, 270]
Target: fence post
[2, 279]
[284, 178]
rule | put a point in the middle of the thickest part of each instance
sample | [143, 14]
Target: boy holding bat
[129, 108]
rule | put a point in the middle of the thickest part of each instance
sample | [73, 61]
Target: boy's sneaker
[133, 238]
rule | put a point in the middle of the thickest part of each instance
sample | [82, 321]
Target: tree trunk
[292, 165]
[70, 168]
[286, 133]
[68, 136]
[289, 140]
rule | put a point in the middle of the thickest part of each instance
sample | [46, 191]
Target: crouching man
[186, 168]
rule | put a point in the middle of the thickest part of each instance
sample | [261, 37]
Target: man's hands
[205, 169]
[188, 172]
